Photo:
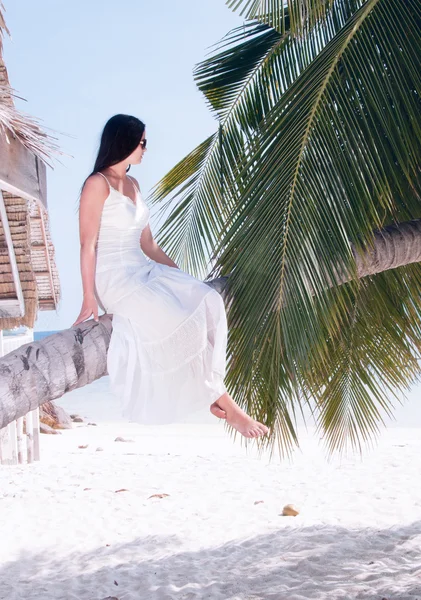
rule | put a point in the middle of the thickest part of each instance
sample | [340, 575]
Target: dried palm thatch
[12, 121]
[26, 218]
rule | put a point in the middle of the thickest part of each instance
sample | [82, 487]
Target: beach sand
[81, 524]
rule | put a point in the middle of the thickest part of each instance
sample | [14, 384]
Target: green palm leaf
[375, 354]
[201, 187]
[246, 77]
[304, 14]
[336, 157]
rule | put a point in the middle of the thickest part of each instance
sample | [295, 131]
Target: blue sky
[78, 63]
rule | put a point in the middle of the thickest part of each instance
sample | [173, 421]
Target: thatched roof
[27, 263]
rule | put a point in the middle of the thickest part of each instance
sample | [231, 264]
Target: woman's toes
[261, 430]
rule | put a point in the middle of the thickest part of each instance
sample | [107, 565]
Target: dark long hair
[120, 137]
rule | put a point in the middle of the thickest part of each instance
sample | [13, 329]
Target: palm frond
[304, 14]
[336, 157]
[201, 189]
[376, 353]
[251, 70]
[242, 57]
[15, 123]
[188, 233]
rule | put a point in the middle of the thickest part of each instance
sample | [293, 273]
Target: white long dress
[167, 353]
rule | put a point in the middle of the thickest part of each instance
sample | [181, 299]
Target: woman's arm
[91, 204]
[151, 248]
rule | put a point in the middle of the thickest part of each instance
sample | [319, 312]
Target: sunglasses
[143, 143]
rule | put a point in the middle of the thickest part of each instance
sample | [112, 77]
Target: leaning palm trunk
[391, 247]
[45, 370]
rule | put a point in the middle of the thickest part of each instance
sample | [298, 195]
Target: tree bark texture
[45, 370]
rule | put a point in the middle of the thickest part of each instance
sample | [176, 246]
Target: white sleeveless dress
[167, 353]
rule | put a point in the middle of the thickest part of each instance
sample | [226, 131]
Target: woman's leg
[226, 407]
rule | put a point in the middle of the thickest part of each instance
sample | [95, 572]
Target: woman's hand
[89, 308]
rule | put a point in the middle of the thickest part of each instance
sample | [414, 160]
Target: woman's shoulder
[95, 185]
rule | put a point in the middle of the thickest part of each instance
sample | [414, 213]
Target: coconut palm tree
[305, 202]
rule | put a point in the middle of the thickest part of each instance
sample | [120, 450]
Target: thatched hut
[28, 274]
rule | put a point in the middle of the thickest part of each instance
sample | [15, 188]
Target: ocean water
[39, 335]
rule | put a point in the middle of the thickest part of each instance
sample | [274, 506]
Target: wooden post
[8, 442]
[20, 440]
[3, 432]
[13, 436]
[1, 448]
[29, 437]
[35, 433]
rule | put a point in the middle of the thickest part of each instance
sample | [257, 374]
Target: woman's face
[137, 155]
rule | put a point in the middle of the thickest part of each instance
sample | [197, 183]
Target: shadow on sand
[317, 562]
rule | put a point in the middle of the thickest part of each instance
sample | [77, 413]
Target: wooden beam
[47, 257]
[21, 441]
[29, 436]
[22, 173]
[35, 433]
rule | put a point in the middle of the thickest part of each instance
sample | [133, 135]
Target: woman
[167, 350]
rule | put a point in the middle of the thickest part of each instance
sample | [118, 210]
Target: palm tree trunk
[391, 247]
[45, 370]
[62, 362]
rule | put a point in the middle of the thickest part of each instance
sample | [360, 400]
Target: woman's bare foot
[217, 411]
[238, 419]
[247, 426]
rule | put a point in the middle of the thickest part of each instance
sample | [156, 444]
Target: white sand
[67, 533]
